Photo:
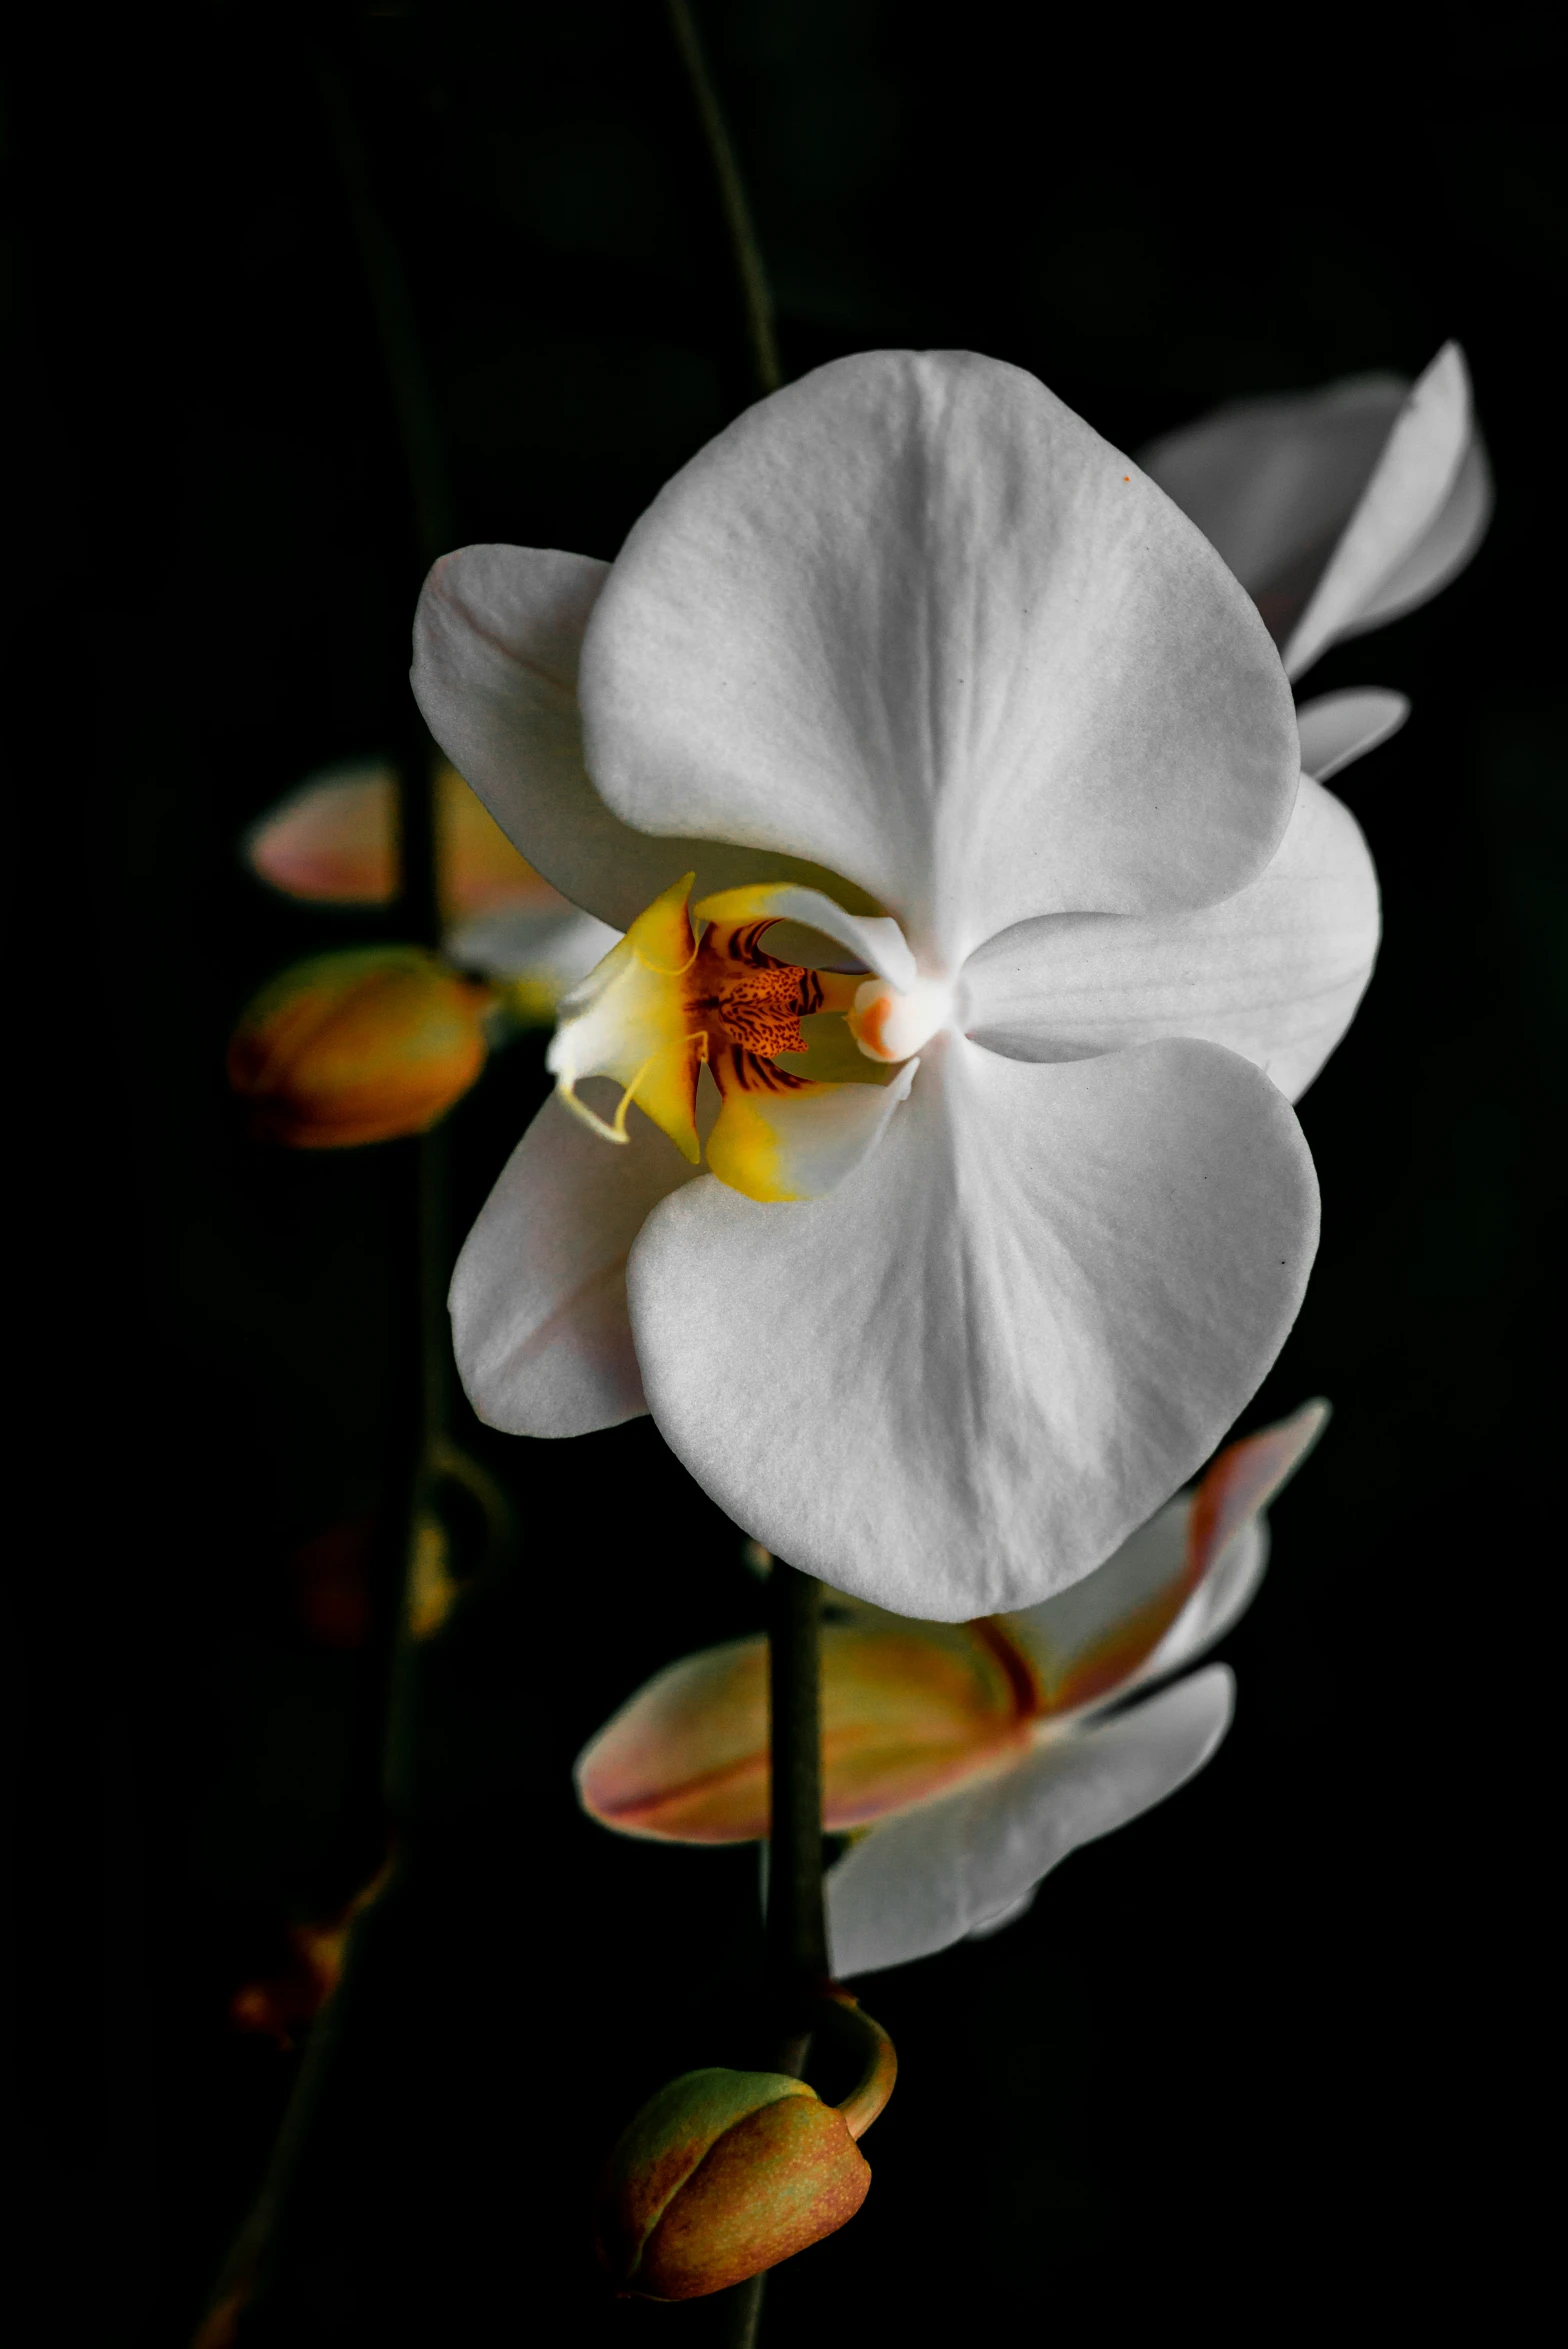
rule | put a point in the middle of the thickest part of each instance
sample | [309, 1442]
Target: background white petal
[1272, 483]
[1221, 1599]
[1274, 973]
[956, 1383]
[539, 1321]
[926, 1879]
[1338, 728]
[556, 950]
[912, 618]
[1381, 563]
[497, 639]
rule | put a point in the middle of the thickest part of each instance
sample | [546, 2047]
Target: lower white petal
[1274, 973]
[957, 1382]
[933, 1875]
[539, 1321]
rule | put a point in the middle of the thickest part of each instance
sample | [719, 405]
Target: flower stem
[754, 288]
[797, 1941]
[796, 1927]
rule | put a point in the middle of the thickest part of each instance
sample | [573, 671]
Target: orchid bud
[358, 1046]
[720, 2175]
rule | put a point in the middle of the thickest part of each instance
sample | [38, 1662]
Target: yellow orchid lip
[907, 1713]
[665, 1003]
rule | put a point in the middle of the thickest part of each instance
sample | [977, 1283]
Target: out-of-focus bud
[720, 2175]
[356, 1047]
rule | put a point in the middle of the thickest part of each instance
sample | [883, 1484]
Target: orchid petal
[912, 618]
[551, 950]
[1119, 1625]
[1381, 564]
[1274, 973]
[925, 1879]
[1271, 483]
[539, 1321]
[1444, 551]
[1227, 1536]
[801, 1144]
[1340, 727]
[955, 1384]
[879, 944]
[497, 638]
[908, 1710]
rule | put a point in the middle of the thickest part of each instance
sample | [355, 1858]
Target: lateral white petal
[539, 1322]
[1403, 503]
[1338, 728]
[1274, 973]
[912, 618]
[957, 1382]
[497, 638]
[927, 1878]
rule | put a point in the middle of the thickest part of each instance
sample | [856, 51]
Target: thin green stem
[755, 291]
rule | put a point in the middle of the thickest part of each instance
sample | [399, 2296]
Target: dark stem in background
[754, 288]
[379, 1770]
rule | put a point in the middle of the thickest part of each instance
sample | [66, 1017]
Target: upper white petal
[956, 1383]
[913, 619]
[1274, 972]
[497, 639]
[923, 1880]
[539, 1322]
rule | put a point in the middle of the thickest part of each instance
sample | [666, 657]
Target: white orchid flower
[912, 664]
[966, 1761]
[333, 841]
[1339, 509]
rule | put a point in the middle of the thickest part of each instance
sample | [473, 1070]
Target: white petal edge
[1272, 482]
[930, 1877]
[961, 1380]
[1274, 973]
[915, 620]
[877, 942]
[555, 949]
[1403, 502]
[539, 1323]
[497, 641]
[1338, 728]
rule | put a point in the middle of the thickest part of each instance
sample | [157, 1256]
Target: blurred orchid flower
[912, 675]
[966, 1760]
[1337, 509]
[333, 841]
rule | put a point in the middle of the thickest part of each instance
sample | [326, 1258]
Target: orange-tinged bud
[358, 1047]
[720, 2175]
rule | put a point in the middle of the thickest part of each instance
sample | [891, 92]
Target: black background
[1249, 2062]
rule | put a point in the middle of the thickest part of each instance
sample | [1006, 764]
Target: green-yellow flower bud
[720, 2175]
[359, 1046]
